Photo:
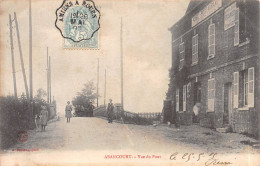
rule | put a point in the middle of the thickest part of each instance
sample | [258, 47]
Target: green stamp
[78, 23]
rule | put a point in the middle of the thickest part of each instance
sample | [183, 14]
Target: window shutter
[211, 94]
[236, 36]
[236, 88]
[177, 99]
[251, 98]
[184, 98]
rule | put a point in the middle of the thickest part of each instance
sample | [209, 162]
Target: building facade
[215, 65]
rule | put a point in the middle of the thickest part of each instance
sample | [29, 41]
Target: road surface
[93, 141]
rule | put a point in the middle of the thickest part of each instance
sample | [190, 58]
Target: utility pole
[47, 69]
[30, 50]
[122, 80]
[50, 76]
[21, 57]
[12, 54]
[105, 87]
[97, 81]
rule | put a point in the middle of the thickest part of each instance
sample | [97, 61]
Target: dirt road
[93, 141]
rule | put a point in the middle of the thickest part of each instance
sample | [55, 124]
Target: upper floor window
[195, 49]
[231, 19]
[182, 55]
[211, 40]
[236, 35]
[229, 16]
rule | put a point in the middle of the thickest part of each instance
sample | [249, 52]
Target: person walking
[91, 109]
[43, 118]
[110, 108]
[68, 110]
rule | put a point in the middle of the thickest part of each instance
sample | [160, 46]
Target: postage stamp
[78, 23]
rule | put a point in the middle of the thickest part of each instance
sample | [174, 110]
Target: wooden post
[48, 92]
[122, 71]
[105, 87]
[97, 81]
[12, 54]
[30, 50]
[21, 57]
[50, 76]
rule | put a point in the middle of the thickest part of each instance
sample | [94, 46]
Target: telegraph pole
[105, 87]
[50, 76]
[122, 80]
[12, 54]
[48, 92]
[97, 81]
[30, 50]
[21, 57]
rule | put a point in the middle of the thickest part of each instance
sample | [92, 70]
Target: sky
[146, 51]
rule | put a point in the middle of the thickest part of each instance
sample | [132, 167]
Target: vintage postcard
[129, 82]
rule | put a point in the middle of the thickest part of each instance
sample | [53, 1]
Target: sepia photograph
[129, 83]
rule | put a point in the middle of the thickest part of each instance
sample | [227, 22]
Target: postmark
[22, 136]
[78, 23]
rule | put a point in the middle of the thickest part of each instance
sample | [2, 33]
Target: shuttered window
[182, 55]
[184, 97]
[236, 88]
[177, 100]
[236, 36]
[211, 94]
[244, 75]
[251, 84]
[211, 41]
[195, 49]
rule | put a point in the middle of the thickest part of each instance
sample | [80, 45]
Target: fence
[100, 111]
[151, 115]
[130, 117]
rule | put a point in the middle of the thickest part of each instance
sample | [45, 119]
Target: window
[236, 36]
[184, 97]
[244, 95]
[177, 99]
[195, 49]
[229, 16]
[182, 55]
[244, 75]
[236, 88]
[211, 94]
[211, 40]
[251, 83]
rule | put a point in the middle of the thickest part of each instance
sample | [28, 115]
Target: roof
[192, 5]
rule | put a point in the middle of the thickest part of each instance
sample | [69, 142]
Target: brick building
[215, 62]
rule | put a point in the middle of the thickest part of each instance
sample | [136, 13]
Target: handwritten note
[209, 159]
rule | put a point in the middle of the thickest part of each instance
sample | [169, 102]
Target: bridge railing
[142, 118]
[100, 111]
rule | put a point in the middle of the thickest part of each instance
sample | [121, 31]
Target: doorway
[197, 93]
[227, 103]
[196, 99]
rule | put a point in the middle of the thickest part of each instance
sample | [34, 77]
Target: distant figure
[68, 110]
[91, 109]
[43, 118]
[37, 122]
[196, 111]
[110, 108]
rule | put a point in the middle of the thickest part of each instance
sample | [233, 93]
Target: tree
[40, 95]
[85, 99]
